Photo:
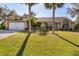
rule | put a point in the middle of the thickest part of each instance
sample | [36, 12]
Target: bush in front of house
[70, 29]
[42, 29]
[77, 26]
[2, 26]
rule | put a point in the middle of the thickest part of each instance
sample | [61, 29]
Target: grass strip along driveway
[38, 45]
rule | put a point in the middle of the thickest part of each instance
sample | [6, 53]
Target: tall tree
[74, 11]
[12, 14]
[4, 12]
[29, 8]
[33, 22]
[1, 11]
[53, 6]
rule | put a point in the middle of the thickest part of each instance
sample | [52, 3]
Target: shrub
[70, 29]
[2, 26]
[66, 29]
[77, 27]
[42, 29]
[61, 28]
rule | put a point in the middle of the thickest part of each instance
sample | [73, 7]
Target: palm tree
[53, 6]
[29, 8]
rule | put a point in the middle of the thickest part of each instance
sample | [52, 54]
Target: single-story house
[22, 23]
[59, 23]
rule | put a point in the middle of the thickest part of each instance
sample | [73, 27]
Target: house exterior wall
[7, 24]
[61, 24]
[48, 21]
[73, 25]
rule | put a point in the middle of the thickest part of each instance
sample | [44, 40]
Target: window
[65, 24]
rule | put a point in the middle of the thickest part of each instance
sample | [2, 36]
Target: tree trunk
[29, 18]
[53, 24]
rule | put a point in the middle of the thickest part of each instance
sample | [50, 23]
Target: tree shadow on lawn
[20, 52]
[67, 40]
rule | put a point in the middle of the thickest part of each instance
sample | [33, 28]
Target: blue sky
[39, 9]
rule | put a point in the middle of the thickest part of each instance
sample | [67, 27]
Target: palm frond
[59, 5]
[30, 4]
[50, 6]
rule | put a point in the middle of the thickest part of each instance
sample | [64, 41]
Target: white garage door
[17, 26]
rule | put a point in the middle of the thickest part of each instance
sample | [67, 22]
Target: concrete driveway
[6, 33]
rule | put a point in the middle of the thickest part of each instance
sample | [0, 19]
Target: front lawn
[38, 45]
[50, 45]
[10, 45]
[71, 36]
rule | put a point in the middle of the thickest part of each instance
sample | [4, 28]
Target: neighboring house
[22, 23]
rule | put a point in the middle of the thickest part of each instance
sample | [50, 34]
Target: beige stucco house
[22, 23]
[59, 23]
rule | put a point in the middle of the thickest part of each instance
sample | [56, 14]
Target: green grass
[71, 36]
[49, 45]
[10, 45]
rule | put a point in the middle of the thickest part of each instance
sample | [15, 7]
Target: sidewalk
[4, 35]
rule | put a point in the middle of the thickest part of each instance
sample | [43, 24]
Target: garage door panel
[17, 26]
